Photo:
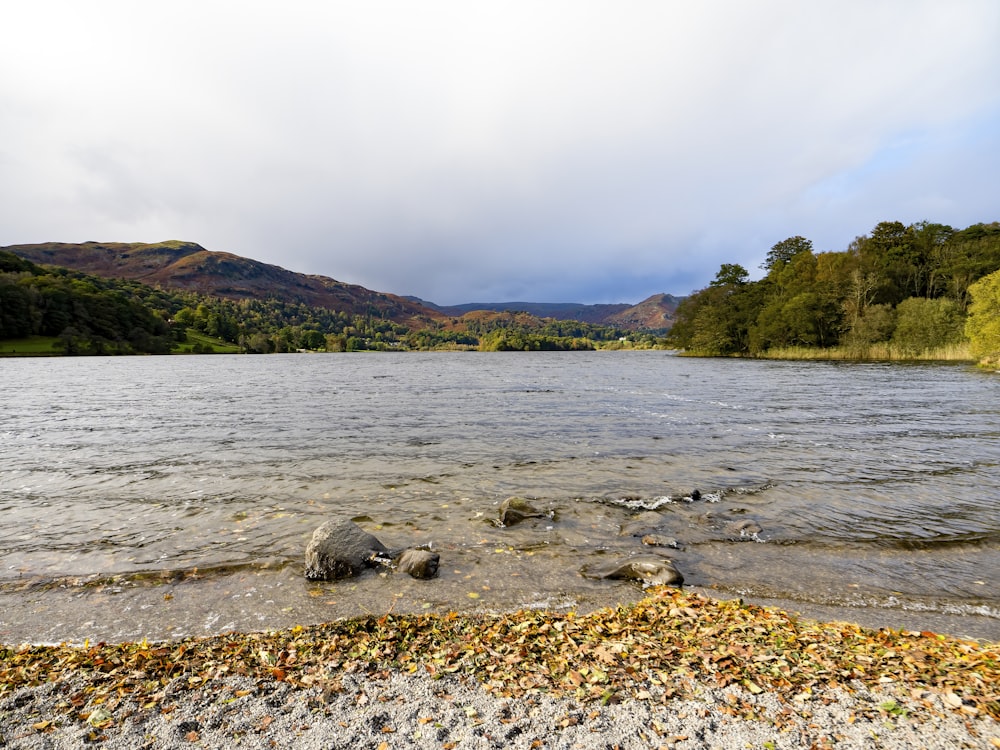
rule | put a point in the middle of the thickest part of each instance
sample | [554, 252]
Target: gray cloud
[574, 151]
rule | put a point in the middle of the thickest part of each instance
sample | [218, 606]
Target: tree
[875, 325]
[716, 320]
[983, 324]
[964, 258]
[71, 340]
[730, 275]
[784, 251]
[897, 260]
[15, 310]
[926, 324]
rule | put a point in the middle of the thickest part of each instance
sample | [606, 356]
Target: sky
[467, 151]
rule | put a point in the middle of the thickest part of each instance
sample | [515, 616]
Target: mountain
[188, 266]
[653, 314]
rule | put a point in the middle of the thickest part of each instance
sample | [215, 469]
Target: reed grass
[880, 352]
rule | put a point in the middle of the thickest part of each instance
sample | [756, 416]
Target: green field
[36, 346]
[33, 345]
[199, 343]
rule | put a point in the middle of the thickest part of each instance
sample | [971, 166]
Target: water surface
[166, 496]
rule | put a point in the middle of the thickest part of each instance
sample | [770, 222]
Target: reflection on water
[180, 492]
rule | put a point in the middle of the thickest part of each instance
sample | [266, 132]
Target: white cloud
[459, 151]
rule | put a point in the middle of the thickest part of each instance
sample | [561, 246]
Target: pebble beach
[674, 670]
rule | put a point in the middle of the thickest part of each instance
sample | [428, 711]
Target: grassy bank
[38, 346]
[199, 343]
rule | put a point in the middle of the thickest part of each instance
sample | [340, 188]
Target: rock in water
[651, 570]
[419, 563]
[649, 522]
[341, 549]
[747, 529]
[659, 540]
[516, 509]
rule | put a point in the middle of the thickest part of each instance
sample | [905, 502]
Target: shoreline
[675, 668]
[146, 609]
[977, 627]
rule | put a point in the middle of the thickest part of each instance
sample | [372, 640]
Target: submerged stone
[513, 510]
[643, 524]
[650, 570]
[419, 563]
[659, 540]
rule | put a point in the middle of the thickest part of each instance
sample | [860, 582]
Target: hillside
[653, 314]
[188, 266]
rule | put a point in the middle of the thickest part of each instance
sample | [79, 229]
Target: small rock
[419, 563]
[748, 529]
[649, 522]
[658, 540]
[513, 510]
[651, 570]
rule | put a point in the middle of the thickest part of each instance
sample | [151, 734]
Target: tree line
[906, 287]
[93, 315]
[85, 314]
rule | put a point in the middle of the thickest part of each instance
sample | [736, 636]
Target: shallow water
[166, 496]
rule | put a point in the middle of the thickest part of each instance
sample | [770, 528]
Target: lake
[171, 496]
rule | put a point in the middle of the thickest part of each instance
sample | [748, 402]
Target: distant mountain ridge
[653, 314]
[190, 267]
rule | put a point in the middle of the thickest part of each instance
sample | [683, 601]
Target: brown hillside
[653, 314]
[190, 267]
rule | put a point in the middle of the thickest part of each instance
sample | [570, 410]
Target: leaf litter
[669, 642]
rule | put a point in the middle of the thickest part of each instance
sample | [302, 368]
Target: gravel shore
[674, 670]
[392, 709]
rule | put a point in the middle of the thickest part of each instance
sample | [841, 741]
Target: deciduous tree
[983, 324]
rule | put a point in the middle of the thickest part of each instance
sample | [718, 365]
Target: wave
[867, 601]
[639, 502]
[145, 577]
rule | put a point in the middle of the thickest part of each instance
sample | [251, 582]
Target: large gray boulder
[341, 549]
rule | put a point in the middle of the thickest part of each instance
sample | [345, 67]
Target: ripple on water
[157, 466]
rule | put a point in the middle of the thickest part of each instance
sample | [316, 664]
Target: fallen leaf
[951, 700]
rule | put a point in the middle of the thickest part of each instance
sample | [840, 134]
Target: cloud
[563, 151]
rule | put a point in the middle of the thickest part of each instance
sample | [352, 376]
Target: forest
[85, 314]
[923, 291]
[899, 292]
